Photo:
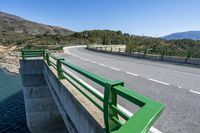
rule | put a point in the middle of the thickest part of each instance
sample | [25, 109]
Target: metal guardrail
[140, 122]
[147, 51]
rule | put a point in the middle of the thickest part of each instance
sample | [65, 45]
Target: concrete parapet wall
[78, 113]
[183, 60]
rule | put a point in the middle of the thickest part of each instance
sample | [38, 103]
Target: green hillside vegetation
[141, 44]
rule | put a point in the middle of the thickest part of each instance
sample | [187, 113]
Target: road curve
[176, 86]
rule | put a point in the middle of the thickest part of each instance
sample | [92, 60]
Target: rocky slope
[11, 24]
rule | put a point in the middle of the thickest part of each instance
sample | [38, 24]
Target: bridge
[58, 98]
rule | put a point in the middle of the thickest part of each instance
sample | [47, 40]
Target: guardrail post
[130, 50]
[189, 54]
[47, 58]
[110, 99]
[105, 48]
[23, 55]
[43, 54]
[145, 52]
[59, 67]
[119, 50]
[111, 49]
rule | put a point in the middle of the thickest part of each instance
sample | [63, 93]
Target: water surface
[12, 109]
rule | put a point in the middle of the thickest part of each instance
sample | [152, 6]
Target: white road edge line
[115, 68]
[158, 81]
[196, 92]
[152, 129]
[130, 73]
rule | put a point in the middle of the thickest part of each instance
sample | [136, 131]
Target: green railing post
[59, 68]
[44, 55]
[23, 55]
[110, 99]
[111, 49]
[119, 50]
[47, 58]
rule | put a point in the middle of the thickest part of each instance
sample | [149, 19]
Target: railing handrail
[141, 121]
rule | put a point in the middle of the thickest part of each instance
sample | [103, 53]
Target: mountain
[14, 25]
[194, 35]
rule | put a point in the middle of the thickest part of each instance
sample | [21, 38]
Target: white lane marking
[93, 62]
[86, 60]
[130, 73]
[196, 92]
[102, 65]
[154, 130]
[179, 87]
[115, 68]
[158, 81]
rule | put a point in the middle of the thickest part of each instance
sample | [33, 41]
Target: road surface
[176, 86]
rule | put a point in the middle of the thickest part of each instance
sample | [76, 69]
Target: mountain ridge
[194, 35]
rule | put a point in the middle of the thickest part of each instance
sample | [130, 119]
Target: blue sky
[140, 17]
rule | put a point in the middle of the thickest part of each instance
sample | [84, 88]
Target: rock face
[11, 24]
[9, 60]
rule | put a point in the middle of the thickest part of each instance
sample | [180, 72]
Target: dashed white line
[196, 92]
[179, 87]
[102, 65]
[158, 81]
[86, 60]
[93, 62]
[130, 73]
[115, 68]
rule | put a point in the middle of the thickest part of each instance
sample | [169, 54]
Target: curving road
[178, 87]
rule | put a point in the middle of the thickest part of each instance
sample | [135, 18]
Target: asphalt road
[176, 86]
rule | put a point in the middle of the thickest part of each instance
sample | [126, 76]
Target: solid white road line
[158, 81]
[196, 92]
[115, 68]
[130, 73]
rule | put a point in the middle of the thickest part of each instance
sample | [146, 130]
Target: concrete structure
[54, 106]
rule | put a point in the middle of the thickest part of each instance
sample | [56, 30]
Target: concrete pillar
[41, 111]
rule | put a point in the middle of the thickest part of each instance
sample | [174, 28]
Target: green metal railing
[142, 119]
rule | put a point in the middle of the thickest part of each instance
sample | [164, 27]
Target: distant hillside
[194, 35]
[11, 24]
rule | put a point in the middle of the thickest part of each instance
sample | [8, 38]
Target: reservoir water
[12, 109]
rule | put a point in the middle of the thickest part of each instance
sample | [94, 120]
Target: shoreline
[9, 60]
[13, 71]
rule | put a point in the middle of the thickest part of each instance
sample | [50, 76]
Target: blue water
[12, 108]
[9, 84]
